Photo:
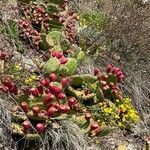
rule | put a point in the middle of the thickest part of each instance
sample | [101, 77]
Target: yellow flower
[18, 67]
[27, 81]
[33, 77]
[108, 110]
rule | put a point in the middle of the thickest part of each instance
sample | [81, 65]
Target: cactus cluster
[58, 91]
[38, 20]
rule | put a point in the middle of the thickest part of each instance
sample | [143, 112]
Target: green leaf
[99, 94]
[105, 132]
[81, 56]
[71, 65]
[52, 65]
[11, 28]
[64, 44]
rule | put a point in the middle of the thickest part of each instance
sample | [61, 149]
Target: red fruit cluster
[28, 32]
[4, 55]
[69, 20]
[109, 87]
[8, 86]
[60, 56]
[40, 127]
[116, 71]
[37, 15]
[54, 99]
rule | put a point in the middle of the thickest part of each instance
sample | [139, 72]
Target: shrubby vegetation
[50, 95]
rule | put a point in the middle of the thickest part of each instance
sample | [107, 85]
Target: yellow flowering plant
[120, 113]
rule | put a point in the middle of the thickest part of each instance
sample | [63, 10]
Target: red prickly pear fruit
[4, 55]
[56, 90]
[24, 106]
[44, 82]
[105, 88]
[42, 113]
[7, 83]
[72, 101]
[109, 67]
[118, 74]
[63, 60]
[46, 91]
[120, 78]
[116, 70]
[116, 87]
[111, 85]
[36, 110]
[65, 81]
[94, 126]
[55, 104]
[34, 92]
[5, 89]
[105, 77]
[64, 108]
[53, 77]
[14, 89]
[27, 91]
[87, 116]
[113, 70]
[26, 125]
[40, 127]
[51, 111]
[61, 96]
[57, 54]
[96, 71]
[103, 83]
[48, 82]
[40, 89]
[48, 98]
[114, 92]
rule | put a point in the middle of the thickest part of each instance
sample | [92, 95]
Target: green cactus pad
[52, 65]
[31, 116]
[71, 65]
[63, 70]
[32, 137]
[53, 38]
[80, 56]
[55, 84]
[17, 129]
[18, 118]
[80, 94]
[64, 43]
[80, 120]
[78, 80]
